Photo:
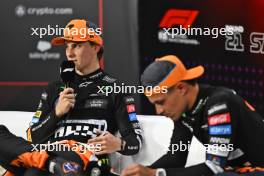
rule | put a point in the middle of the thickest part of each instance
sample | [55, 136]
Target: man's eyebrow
[74, 42]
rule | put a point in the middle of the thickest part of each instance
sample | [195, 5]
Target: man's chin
[78, 70]
[174, 118]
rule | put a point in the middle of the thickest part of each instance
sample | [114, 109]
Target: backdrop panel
[28, 61]
[235, 61]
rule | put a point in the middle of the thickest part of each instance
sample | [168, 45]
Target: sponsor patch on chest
[96, 103]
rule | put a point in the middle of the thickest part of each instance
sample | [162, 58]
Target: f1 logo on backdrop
[174, 17]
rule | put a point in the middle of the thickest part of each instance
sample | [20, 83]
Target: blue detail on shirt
[220, 130]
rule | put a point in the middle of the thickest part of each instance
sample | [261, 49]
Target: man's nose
[70, 53]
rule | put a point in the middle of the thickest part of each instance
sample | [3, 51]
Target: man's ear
[97, 48]
[182, 88]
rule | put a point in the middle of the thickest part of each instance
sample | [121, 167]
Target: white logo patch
[216, 108]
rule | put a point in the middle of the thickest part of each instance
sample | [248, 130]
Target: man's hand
[108, 142]
[65, 103]
[138, 170]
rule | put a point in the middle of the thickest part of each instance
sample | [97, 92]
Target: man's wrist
[57, 113]
[152, 172]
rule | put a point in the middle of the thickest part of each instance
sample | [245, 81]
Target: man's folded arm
[128, 125]
[44, 121]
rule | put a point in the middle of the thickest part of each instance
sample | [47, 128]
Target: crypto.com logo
[20, 10]
[174, 17]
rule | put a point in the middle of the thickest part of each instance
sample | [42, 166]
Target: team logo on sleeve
[219, 140]
[220, 130]
[132, 116]
[219, 119]
[216, 108]
[38, 114]
[40, 104]
[131, 108]
[35, 120]
[129, 100]
[44, 96]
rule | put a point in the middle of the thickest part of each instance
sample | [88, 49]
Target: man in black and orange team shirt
[228, 126]
[83, 111]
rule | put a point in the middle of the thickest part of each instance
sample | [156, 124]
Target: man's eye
[79, 45]
[66, 46]
[74, 45]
